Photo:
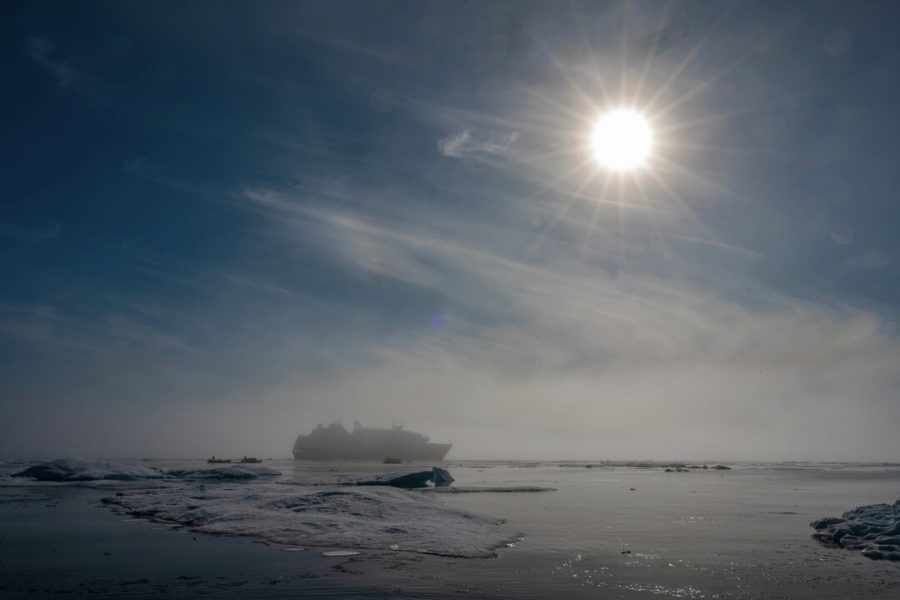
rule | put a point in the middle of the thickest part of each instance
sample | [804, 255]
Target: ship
[334, 442]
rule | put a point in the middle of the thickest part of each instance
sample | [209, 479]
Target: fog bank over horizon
[223, 226]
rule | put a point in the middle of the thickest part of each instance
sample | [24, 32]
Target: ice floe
[79, 469]
[438, 476]
[225, 473]
[376, 517]
[874, 530]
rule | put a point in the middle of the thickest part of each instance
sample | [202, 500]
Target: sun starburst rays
[657, 181]
[650, 170]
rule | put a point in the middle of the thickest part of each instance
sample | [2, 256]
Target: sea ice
[489, 489]
[79, 469]
[232, 472]
[354, 517]
[441, 477]
[874, 530]
[420, 479]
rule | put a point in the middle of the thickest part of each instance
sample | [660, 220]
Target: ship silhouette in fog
[367, 443]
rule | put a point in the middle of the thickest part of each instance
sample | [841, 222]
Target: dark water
[704, 534]
[619, 532]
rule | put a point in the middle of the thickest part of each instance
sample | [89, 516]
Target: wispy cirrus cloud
[616, 315]
[466, 144]
[103, 337]
[622, 352]
[41, 50]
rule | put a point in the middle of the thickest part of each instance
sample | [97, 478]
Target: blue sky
[221, 223]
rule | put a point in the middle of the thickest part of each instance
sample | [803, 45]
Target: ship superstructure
[327, 442]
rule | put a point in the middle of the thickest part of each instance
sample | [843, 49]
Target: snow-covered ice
[79, 469]
[335, 510]
[376, 517]
[874, 530]
[225, 473]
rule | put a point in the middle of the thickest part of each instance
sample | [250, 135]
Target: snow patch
[381, 518]
[873, 529]
[79, 469]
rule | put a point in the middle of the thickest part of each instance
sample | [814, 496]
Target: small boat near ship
[227, 461]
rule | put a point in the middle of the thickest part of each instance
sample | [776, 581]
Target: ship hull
[427, 451]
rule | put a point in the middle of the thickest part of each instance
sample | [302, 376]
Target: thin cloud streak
[540, 332]
[465, 144]
[40, 50]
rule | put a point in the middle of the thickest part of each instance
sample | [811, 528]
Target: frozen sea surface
[374, 517]
[79, 469]
[626, 530]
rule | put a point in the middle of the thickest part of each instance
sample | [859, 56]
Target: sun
[622, 140]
